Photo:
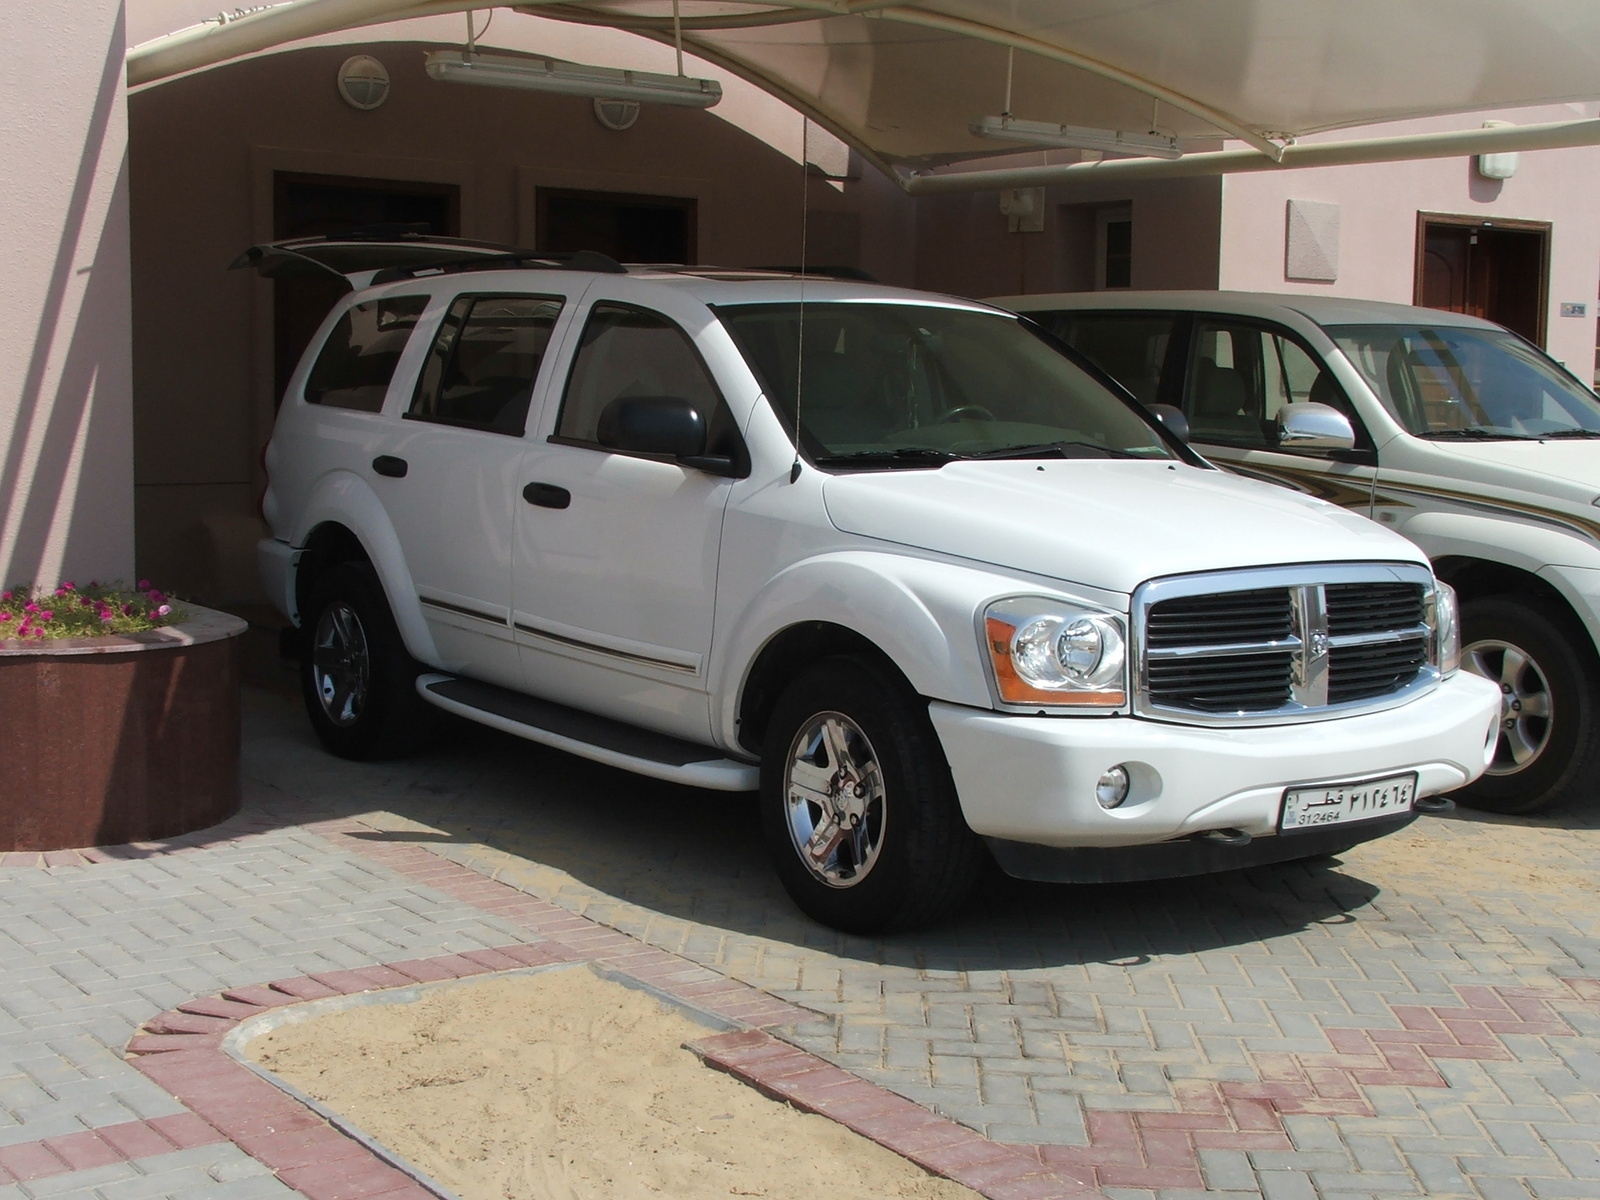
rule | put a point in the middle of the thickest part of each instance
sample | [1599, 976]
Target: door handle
[547, 495]
[388, 464]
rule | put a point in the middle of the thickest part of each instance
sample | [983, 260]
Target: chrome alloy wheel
[835, 800]
[1527, 710]
[341, 664]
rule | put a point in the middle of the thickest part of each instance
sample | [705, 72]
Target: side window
[1130, 348]
[1240, 378]
[629, 351]
[358, 359]
[483, 363]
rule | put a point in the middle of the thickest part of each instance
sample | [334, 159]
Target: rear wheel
[861, 817]
[358, 682]
[1548, 750]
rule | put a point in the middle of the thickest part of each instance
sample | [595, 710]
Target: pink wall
[66, 479]
[1378, 208]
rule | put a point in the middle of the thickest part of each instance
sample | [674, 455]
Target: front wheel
[860, 813]
[358, 682]
[1548, 751]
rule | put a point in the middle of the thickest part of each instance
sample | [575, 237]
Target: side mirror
[1309, 426]
[1173, 420]
[667, 425]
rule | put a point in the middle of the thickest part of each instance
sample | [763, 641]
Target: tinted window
[1130, 348]
[358, 359]
[481, 368]
[885, 381]
[1240, 378]
[1445, 381]
[631, 352]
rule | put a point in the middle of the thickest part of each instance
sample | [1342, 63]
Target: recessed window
[358, 359]
[1114, 248]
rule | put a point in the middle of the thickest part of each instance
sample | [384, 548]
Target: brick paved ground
[1420, 1019]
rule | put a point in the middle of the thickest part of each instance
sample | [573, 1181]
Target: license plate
[1347, 803]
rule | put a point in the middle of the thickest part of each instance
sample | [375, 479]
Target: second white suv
[981, 604]
[1451, 430]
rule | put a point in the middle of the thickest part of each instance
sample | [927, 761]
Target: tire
[910, 861]
[1549, 749]
[357, 681]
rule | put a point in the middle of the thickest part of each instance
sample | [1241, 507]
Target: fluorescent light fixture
[1076, 137]
[572, 79]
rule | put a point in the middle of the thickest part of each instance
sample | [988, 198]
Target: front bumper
[1032, 779]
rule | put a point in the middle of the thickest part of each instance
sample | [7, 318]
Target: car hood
[1576, 461]
[1108, 524]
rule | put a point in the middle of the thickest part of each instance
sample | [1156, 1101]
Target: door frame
[1463, 221]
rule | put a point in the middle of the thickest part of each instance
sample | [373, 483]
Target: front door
[1497, 270]
[1240, 375]
[616, 558]
[455, 464]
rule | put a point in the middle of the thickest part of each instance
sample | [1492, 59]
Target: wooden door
[1498, 270]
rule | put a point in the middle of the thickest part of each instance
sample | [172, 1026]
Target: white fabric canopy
[903, 81]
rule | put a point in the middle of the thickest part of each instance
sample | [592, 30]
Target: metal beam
[1459, 143]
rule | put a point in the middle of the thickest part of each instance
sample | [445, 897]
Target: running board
[597, 738]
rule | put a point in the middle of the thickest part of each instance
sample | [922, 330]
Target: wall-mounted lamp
[572, 79]
[1076, 137]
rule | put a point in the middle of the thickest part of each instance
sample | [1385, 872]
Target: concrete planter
[120, 739]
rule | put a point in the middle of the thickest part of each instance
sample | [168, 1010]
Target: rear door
[455, 463]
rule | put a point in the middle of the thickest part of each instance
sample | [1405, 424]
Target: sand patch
[561, 1085]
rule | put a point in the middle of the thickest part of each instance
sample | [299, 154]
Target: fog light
[1112, 789]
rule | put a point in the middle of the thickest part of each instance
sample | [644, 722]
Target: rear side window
[483, 363]
[1242, 376]
[1130, 348]
[633, 352]
[358, 359]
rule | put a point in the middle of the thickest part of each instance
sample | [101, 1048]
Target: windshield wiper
[905, 456]
[1063, 449]
[1475, 434]
[1570, 433]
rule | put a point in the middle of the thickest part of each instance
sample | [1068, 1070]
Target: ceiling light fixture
[1076, 137]
[572, 79]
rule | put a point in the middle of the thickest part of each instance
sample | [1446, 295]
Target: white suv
[987, 606]
[1451, 430]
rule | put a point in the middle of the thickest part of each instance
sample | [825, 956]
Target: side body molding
[344, 498]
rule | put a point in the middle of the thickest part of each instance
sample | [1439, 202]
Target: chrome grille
[1340, 636]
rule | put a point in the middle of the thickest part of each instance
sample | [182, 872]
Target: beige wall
[204, 151]
[65, 476]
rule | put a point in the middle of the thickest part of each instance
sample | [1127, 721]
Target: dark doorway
[313, 205]
[1497, 270]
[630, 228]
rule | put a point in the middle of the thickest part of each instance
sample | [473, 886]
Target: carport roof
[904, 81]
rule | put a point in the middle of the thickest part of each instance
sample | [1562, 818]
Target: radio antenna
[800, 352]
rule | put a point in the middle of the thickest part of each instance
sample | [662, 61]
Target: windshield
[1450, 382]
[886, 385]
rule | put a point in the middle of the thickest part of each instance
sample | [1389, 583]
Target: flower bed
[28, 613]
[121, 736]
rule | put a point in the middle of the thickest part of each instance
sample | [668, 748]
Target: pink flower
[38, 633]
[162, 611]
[5, 616]
[127, 610]
[46, 615]
[106, 618]
[144, 585]
[24, 629]
[30, 607]
[5, 595]
[157, 596]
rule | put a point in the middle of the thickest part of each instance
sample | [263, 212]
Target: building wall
[1378, 206]
[205, 148]
[963, 245]
[65, 476]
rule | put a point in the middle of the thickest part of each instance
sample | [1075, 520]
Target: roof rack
[581, 260]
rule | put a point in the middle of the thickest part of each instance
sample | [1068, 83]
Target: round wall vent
[363, 82]
[616, 114]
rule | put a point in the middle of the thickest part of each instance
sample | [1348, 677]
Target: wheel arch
[785, 655]
[1480, 578]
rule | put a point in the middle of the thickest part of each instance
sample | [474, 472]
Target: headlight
[1446, 628]
[1049, 652]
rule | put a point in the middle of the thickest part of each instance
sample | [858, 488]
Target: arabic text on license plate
[1345, 803]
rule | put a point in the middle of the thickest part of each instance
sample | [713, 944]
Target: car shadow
[698, 856]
